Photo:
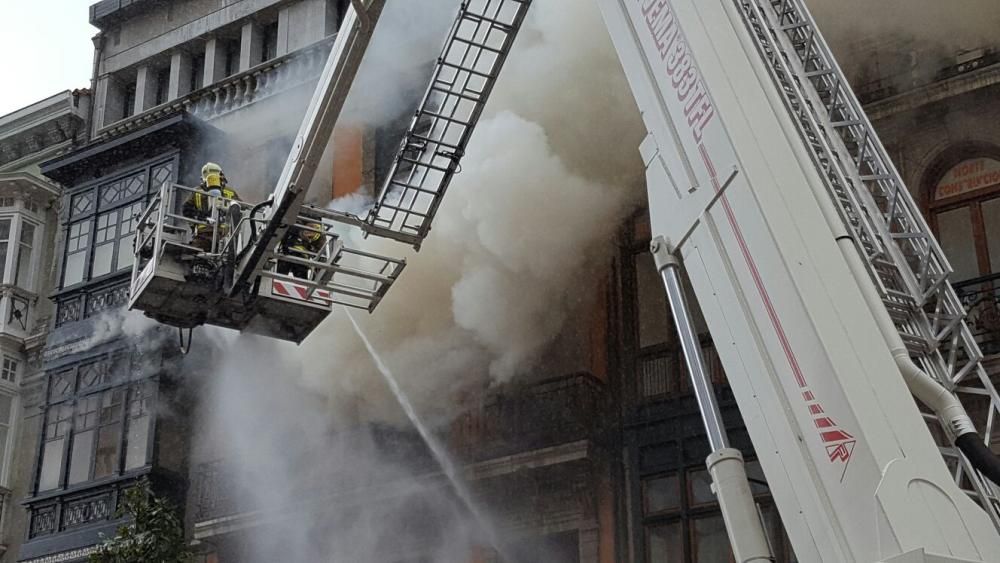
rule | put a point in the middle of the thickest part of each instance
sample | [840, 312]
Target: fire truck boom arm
[315, 132]
[750, 180]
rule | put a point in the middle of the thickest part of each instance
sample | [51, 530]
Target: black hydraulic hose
[980, 456]
[253, 211]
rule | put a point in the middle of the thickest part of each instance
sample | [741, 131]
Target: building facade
[28, 229]
[595, 463]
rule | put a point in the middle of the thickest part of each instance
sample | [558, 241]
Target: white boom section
[321, 116]
[853, 468]
[901, 256]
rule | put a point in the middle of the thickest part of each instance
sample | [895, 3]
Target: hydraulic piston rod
[725, 464]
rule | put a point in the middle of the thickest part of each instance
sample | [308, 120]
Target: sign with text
[968, 176]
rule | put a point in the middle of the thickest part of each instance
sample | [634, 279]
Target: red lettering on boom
[675, 53]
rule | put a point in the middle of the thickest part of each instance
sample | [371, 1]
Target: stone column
[251, 45]
[145, 89]
[180, 75]
[215, 61]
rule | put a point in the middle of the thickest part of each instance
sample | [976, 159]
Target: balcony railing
[662, 374]
[73, 511]
[90, 301]
[524, 418]
[238, 91]
[981, 298]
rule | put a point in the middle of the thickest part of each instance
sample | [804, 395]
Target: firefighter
[301, 243]
[199, 206]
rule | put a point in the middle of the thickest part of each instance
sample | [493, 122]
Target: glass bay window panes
[5, 230]
[9, 370]
[77, 244]
[6, 414]
[22, 276]
[105, 216]
[137, 440]
[84, 432]
[109, 438]
[58, 422]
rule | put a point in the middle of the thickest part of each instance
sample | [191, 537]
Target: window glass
[664, 544]
[6, 414]
[129, 223]
[958, 243]
[83, 439]
[9, 370]
[662, 493]
[77, 243]
[4, 244]
[700, 485]
[24, 256]
[57, 427]
[138, 428]
[79, 461]
[104, 239]
[991, 222]
[710, 542]
[51, 465]
[110, 436]
[651, 302]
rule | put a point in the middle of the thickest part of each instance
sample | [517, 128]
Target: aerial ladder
[826, 295]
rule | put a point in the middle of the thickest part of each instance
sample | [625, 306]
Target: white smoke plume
[904, 43]
[514, 261]
[522, 239]
[962, 24]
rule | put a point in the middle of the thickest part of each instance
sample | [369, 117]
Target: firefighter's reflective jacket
[199, 205]
[303, 241]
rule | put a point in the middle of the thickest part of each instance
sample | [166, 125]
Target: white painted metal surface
[310, 142]
[853, 469]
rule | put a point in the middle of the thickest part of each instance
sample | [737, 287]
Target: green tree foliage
[155, 534]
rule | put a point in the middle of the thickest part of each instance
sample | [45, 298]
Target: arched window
[964, 211]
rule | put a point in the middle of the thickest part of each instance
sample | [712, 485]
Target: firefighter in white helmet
[213, 192]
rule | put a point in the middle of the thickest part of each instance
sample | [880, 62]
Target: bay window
[97, 423]
[18, 241]
[102, 221]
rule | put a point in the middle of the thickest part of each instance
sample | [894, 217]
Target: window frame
[20, 216]
[89, 219]
[12, 383]
[12, 429]
[950, 158]
[688, 512]
[120, 379]
[678, 382]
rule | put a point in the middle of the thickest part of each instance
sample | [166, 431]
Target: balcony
[522, 418]
[91, 301]
[263, 81]
[981, 298]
